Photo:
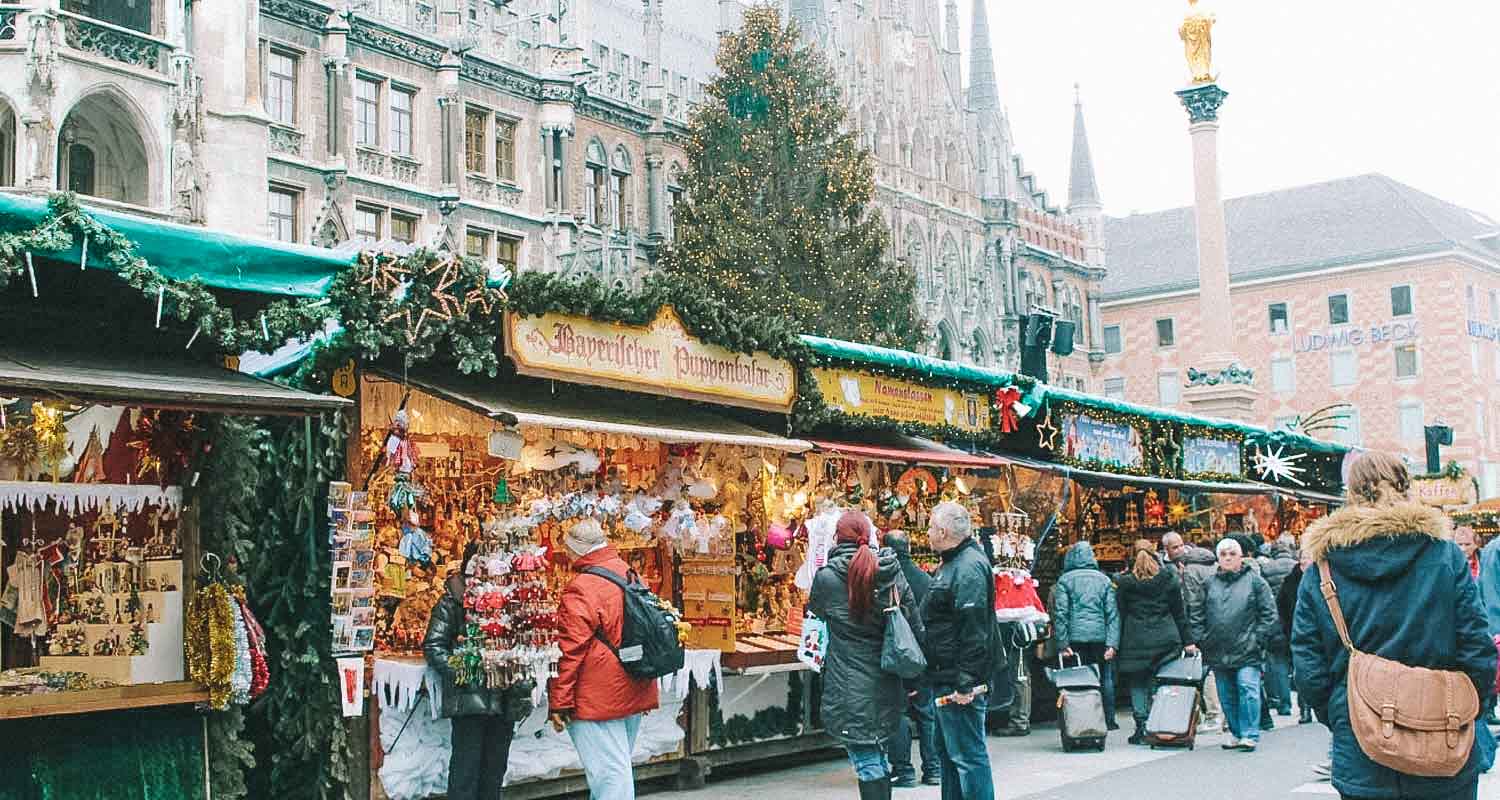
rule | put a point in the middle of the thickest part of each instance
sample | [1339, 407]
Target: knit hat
[584, 537]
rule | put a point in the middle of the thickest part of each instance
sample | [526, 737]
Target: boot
[875, 790]
[1139, 737]
[1305, 716]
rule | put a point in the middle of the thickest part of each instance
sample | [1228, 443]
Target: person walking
[592, 697]
[483, 718]
[959, 616]
[1276, 565]
[1468, 544]
[1489, 598]
[918, 720]
[861, 703]
[1286, 605]
[1086, 619]
[1406, 595]
[1153, 627]
[1232, 628]
[1195, 568]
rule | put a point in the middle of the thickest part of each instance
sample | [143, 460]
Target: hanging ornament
[51, 436]
[402, 455]
[502, 493]
[1011, 408]
[163, 443]
[1046, 432]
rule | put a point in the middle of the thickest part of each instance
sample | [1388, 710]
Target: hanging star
[1046, 432]
[1177, 512]
[1273, 465]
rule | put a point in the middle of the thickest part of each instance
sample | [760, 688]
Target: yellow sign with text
[866, 395]
[1444, 492]
[661, 358]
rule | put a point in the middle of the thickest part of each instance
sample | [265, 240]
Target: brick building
[1361, 290]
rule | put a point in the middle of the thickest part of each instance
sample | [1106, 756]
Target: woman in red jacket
[592, 696]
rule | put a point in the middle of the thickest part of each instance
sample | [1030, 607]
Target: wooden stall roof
[106, 376]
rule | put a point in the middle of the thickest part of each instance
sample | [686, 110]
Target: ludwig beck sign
[660, 358]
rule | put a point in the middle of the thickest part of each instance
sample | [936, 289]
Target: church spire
[984, 94]
[1083, 191]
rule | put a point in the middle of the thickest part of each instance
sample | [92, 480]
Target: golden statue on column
[1198, 42]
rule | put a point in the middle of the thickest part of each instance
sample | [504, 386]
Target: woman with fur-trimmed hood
[1407, 596]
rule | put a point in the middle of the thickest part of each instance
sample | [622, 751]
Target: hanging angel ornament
[401, 452]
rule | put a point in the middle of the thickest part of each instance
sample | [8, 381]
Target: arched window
[674, 197]
[979, 348]
[596, 188]
[947, 348]
[101, 152]
[622, 207]
[8, 140]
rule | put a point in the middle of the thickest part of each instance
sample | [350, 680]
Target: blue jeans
[961, 748]
[869, 761]
[1279, 683]
[605, 748]
[1239, 694]
[925, 729]
[1140, 696]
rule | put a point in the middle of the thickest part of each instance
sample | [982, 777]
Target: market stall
[120, 614]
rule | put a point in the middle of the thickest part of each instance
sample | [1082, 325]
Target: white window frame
[1116, 381]
[1353, 435]
[1348, 306]
[1416, 361]
[296, 211]
[1166, 378]
[501, 236]
[515, 146]
[1119, 339]
[485, 234]
[1287, 306]
[1411, 301]
[1156, 327]
[403, 142]
[1402, 409]
[363, 127]
[288, 102]
[380, 212]
[1291, 373]
[1333, 372]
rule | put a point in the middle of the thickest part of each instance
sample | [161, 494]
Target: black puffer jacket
[443, 630]
[1236, 619]
[861, 703]
[1153, 625]
[960, 618]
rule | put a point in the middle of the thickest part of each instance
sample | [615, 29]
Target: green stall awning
[904, 360]
[183, 252]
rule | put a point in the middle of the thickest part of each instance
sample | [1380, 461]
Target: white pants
[605, 748]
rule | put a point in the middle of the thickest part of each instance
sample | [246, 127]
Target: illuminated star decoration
[1272, 464]
[385, 274]
[1177, 512]
[446, 304]
[1046, 432]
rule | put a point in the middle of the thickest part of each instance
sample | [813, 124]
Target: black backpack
[648, 635]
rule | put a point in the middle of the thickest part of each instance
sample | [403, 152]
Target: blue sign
[1484, 330]
[1091, 441]
[1202, 454]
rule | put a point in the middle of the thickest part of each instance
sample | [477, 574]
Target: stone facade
[544, 134]
[1405, 338]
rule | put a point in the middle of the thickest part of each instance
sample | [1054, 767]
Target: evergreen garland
[777, 214]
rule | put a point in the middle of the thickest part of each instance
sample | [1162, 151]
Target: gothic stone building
[544, 134]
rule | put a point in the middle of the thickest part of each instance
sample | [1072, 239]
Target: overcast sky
[1318, 89]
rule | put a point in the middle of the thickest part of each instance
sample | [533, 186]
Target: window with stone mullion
[475, 123]
[367, 112]
[281, 88]
[505, 150]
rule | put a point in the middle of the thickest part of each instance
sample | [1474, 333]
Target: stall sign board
[1203, 454]
[866, 395]
[1093, 440]
[1443, 492]
[660, 358]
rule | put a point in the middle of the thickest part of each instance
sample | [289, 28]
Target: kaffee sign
[660, 358]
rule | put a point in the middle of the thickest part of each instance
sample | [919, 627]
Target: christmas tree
[776, 217]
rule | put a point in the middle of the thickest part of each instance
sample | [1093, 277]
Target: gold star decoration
[385, 274]
[1046, 432]
[446, 305]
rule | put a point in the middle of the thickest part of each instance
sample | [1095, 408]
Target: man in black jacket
[960, 619]
[918, 718]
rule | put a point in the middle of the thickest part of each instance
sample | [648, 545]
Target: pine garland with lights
[1207, 432]
[777, 213]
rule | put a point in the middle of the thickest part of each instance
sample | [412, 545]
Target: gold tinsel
[209, 641]
[51, 436]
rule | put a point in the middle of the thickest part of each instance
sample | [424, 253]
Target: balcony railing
[114, 42]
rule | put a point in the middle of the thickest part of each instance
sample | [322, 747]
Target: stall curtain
[154, 754]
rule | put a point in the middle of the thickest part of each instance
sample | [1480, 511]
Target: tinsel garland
[240, 679]
[209, 640]
[259, 670]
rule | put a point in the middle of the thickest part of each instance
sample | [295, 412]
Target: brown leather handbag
[1414, 720]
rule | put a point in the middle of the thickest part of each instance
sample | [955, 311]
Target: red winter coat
[590, 680]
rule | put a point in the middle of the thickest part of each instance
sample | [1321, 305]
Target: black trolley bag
[1174, 703]
[1080, 706]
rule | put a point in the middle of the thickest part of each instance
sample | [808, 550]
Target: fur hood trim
[1354, 525]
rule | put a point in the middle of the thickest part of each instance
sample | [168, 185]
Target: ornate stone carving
[559, 92]
[1232, 374]
[479, 189]
[501, 78]
[187, 180]
[1202, 102]
[394, 44]
[8, 23]
[370, 162]
[286, 141]
[404, 169]
[297, 12]
[113, 44]
[602, 110]
[41, 52]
